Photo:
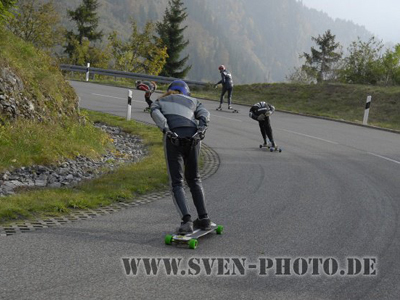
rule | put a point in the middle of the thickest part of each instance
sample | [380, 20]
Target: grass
[25, 143]
[126, 183]
[336, 101]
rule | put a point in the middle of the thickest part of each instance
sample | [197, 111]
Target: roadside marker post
[87, 71]
[129, 110]
[366, 112]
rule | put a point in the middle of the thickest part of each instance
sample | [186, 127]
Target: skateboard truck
[271, 149]
[231, 109]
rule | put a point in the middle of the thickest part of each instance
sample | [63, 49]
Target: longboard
[191, 238]
[229, 110]
[272, 149]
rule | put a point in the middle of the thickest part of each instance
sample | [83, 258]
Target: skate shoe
[185, 228]
[219, 108]
[230, 107]
[203, 224]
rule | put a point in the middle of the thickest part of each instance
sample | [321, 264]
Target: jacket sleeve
[271, 109]
[158, 117]
[253, 113]
[223, 79]
[202, 114]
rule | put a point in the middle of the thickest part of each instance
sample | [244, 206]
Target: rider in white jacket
[183, 120]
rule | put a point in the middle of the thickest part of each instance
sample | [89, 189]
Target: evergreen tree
[319, 64]
[171, 34]
[87, 22]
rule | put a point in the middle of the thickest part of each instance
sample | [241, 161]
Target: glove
[169, 133]
[261, 117]
[201, 133]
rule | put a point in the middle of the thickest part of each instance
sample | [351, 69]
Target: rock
[63, 170]
[40, 183]
[6, 175]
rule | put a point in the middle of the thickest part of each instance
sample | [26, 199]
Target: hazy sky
[380, 17]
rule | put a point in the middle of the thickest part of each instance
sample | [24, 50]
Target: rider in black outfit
[183, 120]
[261, 112]
[227, 86]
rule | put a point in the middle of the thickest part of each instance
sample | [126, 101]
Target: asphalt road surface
[318, 221]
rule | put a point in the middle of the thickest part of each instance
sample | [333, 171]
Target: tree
[171, 34]
[299, 75]
[320, 63]
[84, 53]
[142, 53]
[5, 6]
[37, 23]
[87, 22]
[391, 66]
[363, 65]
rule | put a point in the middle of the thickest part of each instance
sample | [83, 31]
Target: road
[331, 198]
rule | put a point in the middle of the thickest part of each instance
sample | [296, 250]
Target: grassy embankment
[23, 142]
[128, 182]
[336, 101]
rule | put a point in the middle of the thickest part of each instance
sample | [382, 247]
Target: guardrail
[115, 73]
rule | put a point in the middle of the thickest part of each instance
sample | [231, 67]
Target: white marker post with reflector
[129, 111]
[87, 71]
[366, 112]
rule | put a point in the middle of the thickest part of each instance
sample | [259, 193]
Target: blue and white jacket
[179, 113]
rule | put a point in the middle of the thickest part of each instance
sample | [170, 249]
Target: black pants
[182, 162]
[266, 130]
[147, 98]
[224, 90]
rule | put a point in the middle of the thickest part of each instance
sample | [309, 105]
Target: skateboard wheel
[260, 146]
[219, 229]
[271, 149]
[168, 239]
[280, 150]
[193, 244]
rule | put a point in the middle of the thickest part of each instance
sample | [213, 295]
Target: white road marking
[116, 97]
[383, 157]
[314, 137]
[226, 118]
[310, 136]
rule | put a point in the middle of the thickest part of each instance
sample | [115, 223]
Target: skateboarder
[180, 117]
[227, 86]
[261, 112]
[148, 87]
